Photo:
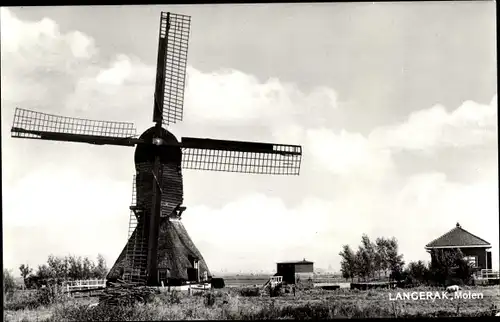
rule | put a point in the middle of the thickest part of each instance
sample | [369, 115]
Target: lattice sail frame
[171, 69]
[244, 161]
[136, 247]
[28, 123]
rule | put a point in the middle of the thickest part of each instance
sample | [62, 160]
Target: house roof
[458, 237]
[297, 262]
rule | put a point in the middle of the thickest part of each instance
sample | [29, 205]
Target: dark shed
[295, 269]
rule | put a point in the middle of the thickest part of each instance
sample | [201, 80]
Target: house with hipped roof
[476, 250]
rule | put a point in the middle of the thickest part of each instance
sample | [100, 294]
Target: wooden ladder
[137, 248]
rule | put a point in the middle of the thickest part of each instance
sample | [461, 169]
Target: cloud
[470, 124]
[33, 49]
[256, 231]
[121, 90]
[347, 153]
[425, 131]
[57, 210]
[263, 228]
[74, 198]
[232, 96]
[117, 74]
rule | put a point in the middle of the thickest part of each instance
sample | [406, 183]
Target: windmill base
[179, 260]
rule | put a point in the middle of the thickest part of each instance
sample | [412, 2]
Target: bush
[81, 312]
[449, 267]
[209, 299]
[32, 299]
[217, 283]
[250, 291]
[49, 295]
[173, 297]
[276, 291]
[21, 300]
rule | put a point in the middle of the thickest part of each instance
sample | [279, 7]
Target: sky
[394, 104]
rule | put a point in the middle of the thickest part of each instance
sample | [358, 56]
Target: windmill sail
[238, 156]
[171, 68]
[36, 125]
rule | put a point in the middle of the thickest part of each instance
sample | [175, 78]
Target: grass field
[246, 280]
[229, 303]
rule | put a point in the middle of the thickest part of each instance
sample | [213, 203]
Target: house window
[472, 260]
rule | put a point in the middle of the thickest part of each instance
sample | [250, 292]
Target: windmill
[158, 247]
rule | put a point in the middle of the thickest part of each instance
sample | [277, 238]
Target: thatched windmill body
[159, 248]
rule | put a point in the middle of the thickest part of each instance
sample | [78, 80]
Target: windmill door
[192, 272]
[163, 276]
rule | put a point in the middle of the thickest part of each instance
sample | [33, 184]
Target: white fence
[80, 285]
[487, 274]
[274, 280]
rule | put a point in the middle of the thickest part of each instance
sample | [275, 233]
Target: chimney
[458, 225]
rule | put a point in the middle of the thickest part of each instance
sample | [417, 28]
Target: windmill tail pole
[154, 226]
[154, 220]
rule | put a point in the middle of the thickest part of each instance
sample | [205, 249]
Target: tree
[442, 263]
[9, 285]
[365, 258]
[463, 271]
[25, 272]
[101, 270]
[449, 267]
[88, 268]
[359, 267]
[368, 254]
[347, 265]
[58, 267]
[44, 272]
[382, 254]
[75, 268]
[377, 261]
[372, 259]
[395, 260]
[417, 273]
